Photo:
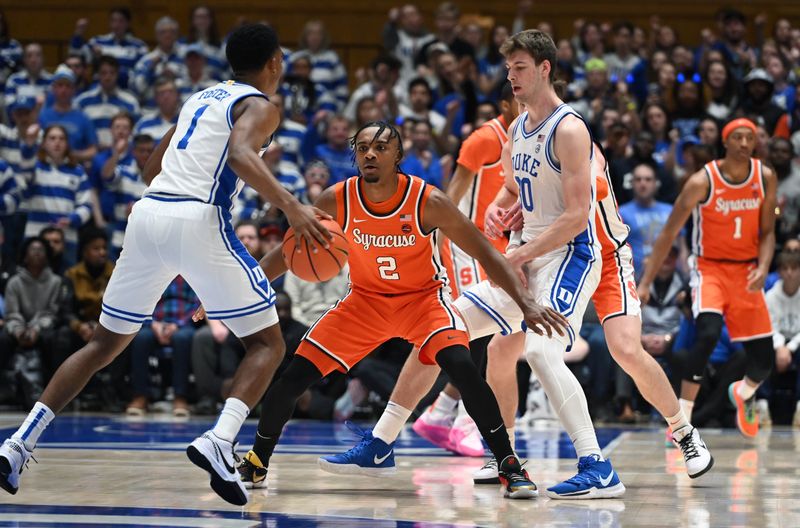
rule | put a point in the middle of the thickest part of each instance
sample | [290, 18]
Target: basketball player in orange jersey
[477, 179]
[732, 203]
[398, 289]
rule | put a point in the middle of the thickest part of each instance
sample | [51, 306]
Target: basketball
[321, 266]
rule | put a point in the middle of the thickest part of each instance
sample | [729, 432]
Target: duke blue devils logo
[565, 296]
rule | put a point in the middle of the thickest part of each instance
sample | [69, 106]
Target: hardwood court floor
[106, 471]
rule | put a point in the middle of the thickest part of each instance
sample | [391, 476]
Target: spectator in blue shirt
[80, 131]
[336, 151]
[421, 160]
[103, 165]
[119, 43]
[645, 216]
[157, 124]
[106, 100]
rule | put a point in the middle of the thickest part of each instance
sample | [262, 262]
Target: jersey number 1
[737, 233]
[184, 142]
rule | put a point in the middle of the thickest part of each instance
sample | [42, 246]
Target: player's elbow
[238, 156]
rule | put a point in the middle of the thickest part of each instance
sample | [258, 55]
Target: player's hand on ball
[305, 221]
[544, 321]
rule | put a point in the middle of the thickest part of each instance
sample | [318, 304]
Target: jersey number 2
[184, 142]
[737, 233]
[387, 268]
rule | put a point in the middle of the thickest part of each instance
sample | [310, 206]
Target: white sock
[511, 438]
[679, 425]
[746, 390]
[444, 408]
[34, 425]
[231, 419]
[546, 358]
[391, 422]
[686, 406]
[461, 410]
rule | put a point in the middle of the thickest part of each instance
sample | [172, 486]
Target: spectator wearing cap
[383, 85]
[10, 51]
[197, 78]
[597, 94]
[158, 123]
[118, 43]
[403, 36]
[20, 140]
[204, 34]
[80, 130]
[758, 90]
[732, 43]
[106, 100]
[32, 80]
[165, 61]
[327, 70]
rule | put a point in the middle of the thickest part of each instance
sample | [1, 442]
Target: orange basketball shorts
[361, 321]
[721, 287]
[616, 293]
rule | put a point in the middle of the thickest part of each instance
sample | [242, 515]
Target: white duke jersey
[195, 163]
[538, 176]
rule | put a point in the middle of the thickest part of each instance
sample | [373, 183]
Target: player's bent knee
[540, 348]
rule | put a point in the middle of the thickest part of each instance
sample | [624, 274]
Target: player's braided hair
[381, 126]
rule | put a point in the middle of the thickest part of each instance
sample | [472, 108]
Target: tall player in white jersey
[551, 151]
[182, 227]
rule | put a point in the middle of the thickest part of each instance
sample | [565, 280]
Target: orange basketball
[321, 266]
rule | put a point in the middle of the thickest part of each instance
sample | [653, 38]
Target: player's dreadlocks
[381, 126]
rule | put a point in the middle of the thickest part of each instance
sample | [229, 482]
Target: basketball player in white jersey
[182, 227]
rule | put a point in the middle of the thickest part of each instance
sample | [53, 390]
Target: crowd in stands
[74, 137]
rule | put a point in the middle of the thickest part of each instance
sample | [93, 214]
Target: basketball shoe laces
[491, 464]
[509, 479]
[585, 473]
[15, 447]
[688, 447]
[366, 437]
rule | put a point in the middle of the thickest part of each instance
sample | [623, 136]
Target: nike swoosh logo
[607, 480]
[451, 337]
[225, 462]
[379, 460]
[697, 378]
[495, 430]
[357, 221]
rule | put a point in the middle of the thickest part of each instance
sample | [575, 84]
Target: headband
[742, 122]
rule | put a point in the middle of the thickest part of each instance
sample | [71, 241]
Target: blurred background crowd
[75, 134]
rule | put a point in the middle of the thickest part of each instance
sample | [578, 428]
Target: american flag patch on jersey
[405, 218]
[540, 138]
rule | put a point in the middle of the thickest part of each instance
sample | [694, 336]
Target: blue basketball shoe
[596, 479]
[371, 457]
